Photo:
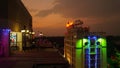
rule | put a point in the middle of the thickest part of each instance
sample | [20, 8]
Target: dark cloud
[106, 10]
[111, 27]
[84, 8]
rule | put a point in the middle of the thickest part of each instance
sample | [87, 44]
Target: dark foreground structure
[16, 19]
[42, 58]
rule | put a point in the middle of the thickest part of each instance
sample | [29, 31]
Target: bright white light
[27, 30]
[22, 30]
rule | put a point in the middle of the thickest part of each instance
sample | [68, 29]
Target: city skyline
[50, 16]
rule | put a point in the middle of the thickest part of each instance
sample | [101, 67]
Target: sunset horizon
[50, 16]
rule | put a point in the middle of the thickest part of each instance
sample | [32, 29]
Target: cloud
[33, 10]
[100, 15]
[44, 13]
[110, 26]
[83, 8]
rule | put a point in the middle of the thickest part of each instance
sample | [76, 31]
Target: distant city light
[33, 32]
[40, 34]
[22, 30]
[25, 31]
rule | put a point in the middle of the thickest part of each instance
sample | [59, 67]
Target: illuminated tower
[93, 51]
[84, 49]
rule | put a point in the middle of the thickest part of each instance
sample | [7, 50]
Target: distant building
[15, 17]
[84, 49]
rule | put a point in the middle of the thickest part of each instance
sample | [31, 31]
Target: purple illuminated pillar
[5, 41]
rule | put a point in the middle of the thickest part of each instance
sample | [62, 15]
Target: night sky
[50, 16]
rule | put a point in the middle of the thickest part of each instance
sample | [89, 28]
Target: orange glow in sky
[51, 25]
[50, 16]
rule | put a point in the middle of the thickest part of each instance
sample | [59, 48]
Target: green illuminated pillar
[104, 58]
[79, 44]
[78, 53]
[79, 59]
[103, 44]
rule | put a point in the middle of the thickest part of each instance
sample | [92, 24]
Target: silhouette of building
[15, 16]
[84, 49]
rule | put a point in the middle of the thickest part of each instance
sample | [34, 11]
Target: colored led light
[96, 41]
[94, 37]
[96, 51]
[102, 41]
[79, 44]
[84, 41]
[89, 51]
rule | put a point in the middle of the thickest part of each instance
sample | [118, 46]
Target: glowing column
[78, 53]
[103, 43]
[4, 42]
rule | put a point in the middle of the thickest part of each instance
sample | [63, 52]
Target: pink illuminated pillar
[5, 41]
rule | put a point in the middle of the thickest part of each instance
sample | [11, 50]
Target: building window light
[27, 30]
[22, 30]
[33, 32]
